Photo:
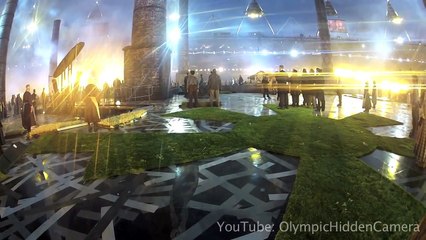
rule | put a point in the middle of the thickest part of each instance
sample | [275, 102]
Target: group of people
[308, 84]
[367, 101]
[192, 87]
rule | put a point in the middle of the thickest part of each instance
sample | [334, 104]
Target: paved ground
[46, 198]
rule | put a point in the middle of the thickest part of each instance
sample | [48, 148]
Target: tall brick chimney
[147, 60]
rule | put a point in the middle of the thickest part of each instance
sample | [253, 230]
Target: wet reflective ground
[46, 198]
[402, 170]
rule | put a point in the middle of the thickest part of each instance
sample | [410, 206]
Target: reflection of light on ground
[176, 125]
[392, 166]
[46, 175]
[255, 157]
[350, 107]
[178, 171]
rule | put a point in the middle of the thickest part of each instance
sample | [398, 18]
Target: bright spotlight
[294, 53]
[220, 69]
[397, 20]
[174, 16]
[32, 27]
[399, 40]
[174, 35]
[383, 49]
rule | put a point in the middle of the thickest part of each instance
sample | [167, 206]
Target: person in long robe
[28, 112]
[91, 110]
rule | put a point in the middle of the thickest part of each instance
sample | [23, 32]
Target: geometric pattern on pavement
[46, 198]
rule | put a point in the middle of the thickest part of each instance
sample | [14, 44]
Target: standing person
[265, 87]
[240, 80]
[18, 104]
[91, 109]
[339, 91]
[282, 82]
[420, 147]
[28, 114]
[303, 83]
[117, 86]
[295, 91]
[313, 89]
[34, 96]
[12, 106]
[214, 84]
[366, 103]
[320, 92]
[43, 100]
[415, 106]
[192, 90]
[374, 95]
[4, 108]
[185, 85]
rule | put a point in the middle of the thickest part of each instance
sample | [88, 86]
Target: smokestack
[6, 21]
[53, 87]
[147, 60]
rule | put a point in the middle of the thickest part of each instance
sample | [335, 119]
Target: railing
[139, 93]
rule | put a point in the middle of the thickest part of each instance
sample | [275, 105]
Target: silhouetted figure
[91, 108]
[28, 113]
[339, 91]
[366, 103]
[265, 87]
[320, 91]
[192, 90]
[282, 82]
[214, 85]
[295, 89]
[374, 95]
[18, 104]
[12, 106]
[117, 90]
[185, 85]
[240, 80]
[34, 96]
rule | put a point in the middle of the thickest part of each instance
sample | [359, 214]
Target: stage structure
[64, 69]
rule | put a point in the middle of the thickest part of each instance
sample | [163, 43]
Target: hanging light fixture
[392, 15]
[254, 10]
[329, 9]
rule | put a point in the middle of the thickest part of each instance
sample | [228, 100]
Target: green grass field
[332, 184]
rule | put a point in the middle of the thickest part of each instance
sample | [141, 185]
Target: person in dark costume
[91, 110]
[366, 103]
[374, 95]
[282, 82]
[295, 91]
[28, 113]
[320, 92]
[339, 91]
[265, 87]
